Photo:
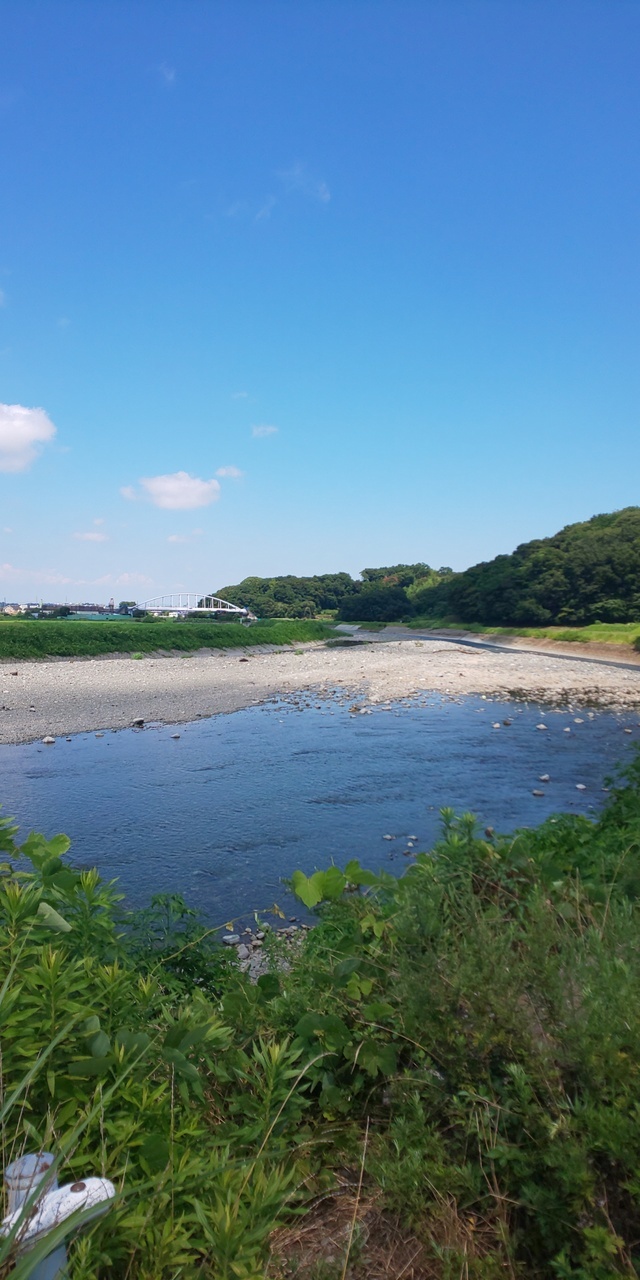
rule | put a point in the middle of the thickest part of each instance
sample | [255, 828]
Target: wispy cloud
[180, 491]
[263, 429]
[230, 473]
[265, 211]
[127, 491]
[99, 520]
[239, 395]
[47, 577]
[168, 75]
[185, 537]
[23, 435]
[298, 178]
[91, 536]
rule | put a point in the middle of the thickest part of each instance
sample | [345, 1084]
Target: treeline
[381, 595]
[588, 572]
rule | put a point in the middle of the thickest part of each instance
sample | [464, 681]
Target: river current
[222, 812]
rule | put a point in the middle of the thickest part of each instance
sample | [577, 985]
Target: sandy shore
[66, 697]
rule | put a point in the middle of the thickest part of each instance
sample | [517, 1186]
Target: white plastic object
[56, 1206]
[23, 1176]
[21, 1179]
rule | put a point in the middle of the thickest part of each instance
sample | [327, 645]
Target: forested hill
[291, 597]
[587, 572]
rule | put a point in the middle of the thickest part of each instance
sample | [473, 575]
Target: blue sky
[401, 236]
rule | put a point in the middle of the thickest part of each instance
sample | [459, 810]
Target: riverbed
[222, 809]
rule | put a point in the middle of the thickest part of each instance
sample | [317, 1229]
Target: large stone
[231, 939]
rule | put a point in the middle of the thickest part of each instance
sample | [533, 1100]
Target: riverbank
[62, 698]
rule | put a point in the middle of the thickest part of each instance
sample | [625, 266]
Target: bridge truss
[180, 603]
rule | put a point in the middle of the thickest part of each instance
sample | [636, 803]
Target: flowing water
[221, 813]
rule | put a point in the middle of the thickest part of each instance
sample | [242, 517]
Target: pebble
[580, 786]
[388, 837]
[541, 726]
[231, 939]
[628, 730]
[99, 735]
[577, 720]
[412, 837]
[48, 740]
[544, 777]
[243, 952]
[138, 722]
[496, 725]
[175, 735]
[537, 793]
[507, 722]
[259, 936]
[567, 730]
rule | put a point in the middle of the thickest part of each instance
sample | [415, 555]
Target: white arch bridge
[179, 603]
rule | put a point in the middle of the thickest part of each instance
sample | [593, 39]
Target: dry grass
[316, 1247]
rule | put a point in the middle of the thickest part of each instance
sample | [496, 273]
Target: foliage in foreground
[469, 1034]
[31, 639]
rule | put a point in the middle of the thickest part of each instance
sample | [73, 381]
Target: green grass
[32, 639]
[596, 633]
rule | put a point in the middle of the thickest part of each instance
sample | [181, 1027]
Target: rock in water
[48, 740]
[231, 939]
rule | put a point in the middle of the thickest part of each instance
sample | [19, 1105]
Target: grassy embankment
[444, 1084]
[596, 633]
[35, 639]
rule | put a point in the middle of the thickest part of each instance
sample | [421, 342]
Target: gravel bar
[63, 697]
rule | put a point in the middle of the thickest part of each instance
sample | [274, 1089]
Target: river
[222, 812]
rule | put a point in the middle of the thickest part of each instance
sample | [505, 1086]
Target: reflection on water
[221, 813]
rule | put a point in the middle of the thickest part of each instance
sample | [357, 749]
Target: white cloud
[121, 580]
[265, 211]
[180, 491]
[23, 434]
[185, 537]
[10, 573]
[6, 529]
[262, 430]
[231, 473]
[127, 491]
[168, 75]
[92, 536]
[298, 178]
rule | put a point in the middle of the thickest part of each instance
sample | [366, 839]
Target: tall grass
[32, 639]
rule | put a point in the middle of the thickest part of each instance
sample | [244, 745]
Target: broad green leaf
[52, 918]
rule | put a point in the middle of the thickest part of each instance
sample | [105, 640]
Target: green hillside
[588, 572]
